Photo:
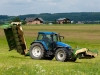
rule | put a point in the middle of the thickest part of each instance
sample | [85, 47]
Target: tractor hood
[61, 44]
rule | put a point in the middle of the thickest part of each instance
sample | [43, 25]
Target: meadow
[82, 36]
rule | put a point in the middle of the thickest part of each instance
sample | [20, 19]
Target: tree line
[74, 16]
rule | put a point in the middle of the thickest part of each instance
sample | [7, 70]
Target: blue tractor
[48, 45]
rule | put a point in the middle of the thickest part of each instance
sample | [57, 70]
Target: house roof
[62, 19]
[28, 19]
[41, 19]
[32, 19]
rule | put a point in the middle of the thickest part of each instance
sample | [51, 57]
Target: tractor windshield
[56, 38]
[44, 37]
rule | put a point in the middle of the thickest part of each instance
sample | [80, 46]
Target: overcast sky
[23, 7]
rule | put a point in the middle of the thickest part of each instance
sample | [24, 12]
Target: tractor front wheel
[61, 55]
[37, 51]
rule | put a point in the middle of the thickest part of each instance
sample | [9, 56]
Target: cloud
[48, 0]
[12, 2]
[15, 2]
[21, 7]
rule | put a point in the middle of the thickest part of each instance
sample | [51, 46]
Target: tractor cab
[48, 37]
[50, 40]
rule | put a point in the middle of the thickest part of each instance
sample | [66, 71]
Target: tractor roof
[44, 32]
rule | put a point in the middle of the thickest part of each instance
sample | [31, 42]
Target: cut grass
[12, 63]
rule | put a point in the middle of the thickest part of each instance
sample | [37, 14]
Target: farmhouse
[63, 21]
[34, 20]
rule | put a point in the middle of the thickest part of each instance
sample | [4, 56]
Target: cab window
[55, 38]
[40, 37]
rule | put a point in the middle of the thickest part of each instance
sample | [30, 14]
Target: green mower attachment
[15, 38]
[84, 53]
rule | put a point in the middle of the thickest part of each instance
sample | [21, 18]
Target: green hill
[74, 16]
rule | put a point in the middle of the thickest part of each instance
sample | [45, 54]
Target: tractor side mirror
[62, 37]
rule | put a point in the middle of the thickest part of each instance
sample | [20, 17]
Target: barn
[34, 20]
[63, 21]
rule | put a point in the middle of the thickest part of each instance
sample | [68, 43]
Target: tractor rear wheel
[61, 55]
[37, 51]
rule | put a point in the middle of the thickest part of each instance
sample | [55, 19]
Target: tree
[16, 19]
[1, 22]
[23, 22]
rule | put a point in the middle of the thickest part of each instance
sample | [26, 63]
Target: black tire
[37, 51]
[61, 54]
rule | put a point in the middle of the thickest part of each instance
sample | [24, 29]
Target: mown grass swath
[12, 63]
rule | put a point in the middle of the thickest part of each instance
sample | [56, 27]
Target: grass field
[12, 63]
